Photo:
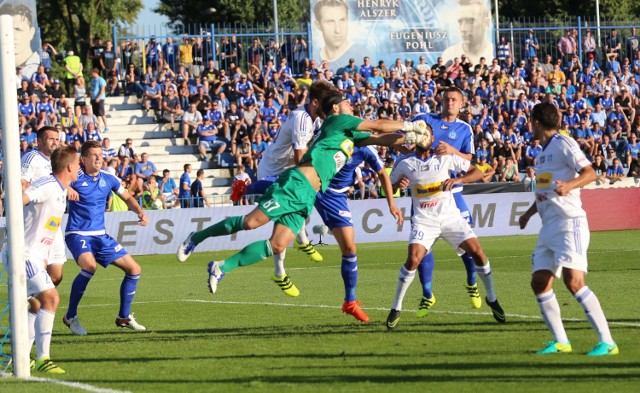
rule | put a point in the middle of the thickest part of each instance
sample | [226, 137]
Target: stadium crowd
[231, 103]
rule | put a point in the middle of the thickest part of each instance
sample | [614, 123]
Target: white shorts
[565, 248]
[38, 279]
[58, 251]
[453, 229]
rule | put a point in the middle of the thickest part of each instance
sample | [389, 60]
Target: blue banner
[406, 29]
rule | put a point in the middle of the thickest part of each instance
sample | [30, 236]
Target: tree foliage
[71, 24]
[187, 12]
[551, 9]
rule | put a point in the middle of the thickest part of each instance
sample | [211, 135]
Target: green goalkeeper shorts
[289, 201]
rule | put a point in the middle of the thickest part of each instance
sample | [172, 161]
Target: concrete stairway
[125, 120]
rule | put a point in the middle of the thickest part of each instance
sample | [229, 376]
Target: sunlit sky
[148, 17]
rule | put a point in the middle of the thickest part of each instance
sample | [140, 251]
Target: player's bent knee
[573, 284]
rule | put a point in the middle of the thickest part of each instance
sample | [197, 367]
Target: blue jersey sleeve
[372, 158]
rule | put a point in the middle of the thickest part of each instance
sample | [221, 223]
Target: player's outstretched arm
[385, 182]
[386, 126]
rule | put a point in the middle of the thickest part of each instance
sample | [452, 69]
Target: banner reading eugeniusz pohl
[406, 29]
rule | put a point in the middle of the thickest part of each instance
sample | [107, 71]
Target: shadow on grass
[327, 330]
[493, 376]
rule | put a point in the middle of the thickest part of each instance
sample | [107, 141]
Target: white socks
[301, 237]
[550, 310]
[32, 328]
[405, 278]
[595, 315]
[487, 279]
[278, 264]
[43, 328]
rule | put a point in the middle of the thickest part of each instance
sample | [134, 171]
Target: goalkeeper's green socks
[253, 253]
[228, 226]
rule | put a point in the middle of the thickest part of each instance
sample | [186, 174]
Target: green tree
[71, 24]
[183, 13]
[552, 9]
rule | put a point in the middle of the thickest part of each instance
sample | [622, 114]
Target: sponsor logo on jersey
[425, 190]
[444, 127]
[424, 205]
[84, 184]
[53, 223]
[543, 180]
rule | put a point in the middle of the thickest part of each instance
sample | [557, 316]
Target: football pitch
[251, 337]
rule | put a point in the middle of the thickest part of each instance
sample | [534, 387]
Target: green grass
[251, 337]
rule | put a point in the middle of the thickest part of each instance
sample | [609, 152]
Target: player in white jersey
[561, 250]
[291, 141]
[45, 202]
[35, 165]
[435, 215]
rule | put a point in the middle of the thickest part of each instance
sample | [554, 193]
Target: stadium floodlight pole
[598, 21]
[275, 21]
[13, 202]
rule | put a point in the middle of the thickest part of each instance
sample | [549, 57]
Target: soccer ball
[157, 204]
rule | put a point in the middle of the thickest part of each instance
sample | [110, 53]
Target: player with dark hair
[561, 250]
[454, 136]
[333, 208]
[285, 152]
[44, 204]
[435, 214]
[289, 201]
[89, 243]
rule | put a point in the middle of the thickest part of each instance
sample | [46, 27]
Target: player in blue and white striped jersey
[334, 210]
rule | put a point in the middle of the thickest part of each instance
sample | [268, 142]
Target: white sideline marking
[77, 385]
[326, 306]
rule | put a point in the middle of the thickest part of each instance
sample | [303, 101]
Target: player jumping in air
[289, 201]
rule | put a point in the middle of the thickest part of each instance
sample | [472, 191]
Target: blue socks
[470, 266]
[77, 291]
[127, 292]
[349, 270]
[425, 273]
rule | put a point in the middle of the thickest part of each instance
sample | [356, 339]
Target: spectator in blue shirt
[145, 168]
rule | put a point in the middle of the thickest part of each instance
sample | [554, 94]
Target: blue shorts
[103, 247]
[332, 207]
[462, 206]
[260, 186]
